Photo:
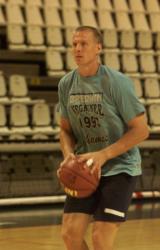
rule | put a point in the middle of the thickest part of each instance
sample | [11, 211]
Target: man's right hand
[69, 157]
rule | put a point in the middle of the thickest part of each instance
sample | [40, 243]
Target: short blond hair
[97, 34]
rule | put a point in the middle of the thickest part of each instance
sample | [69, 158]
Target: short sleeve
[62, 99]
[126, 99]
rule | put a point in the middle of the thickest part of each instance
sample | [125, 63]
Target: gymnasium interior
[35, 52]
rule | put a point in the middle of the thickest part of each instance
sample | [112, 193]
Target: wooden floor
[141, 234]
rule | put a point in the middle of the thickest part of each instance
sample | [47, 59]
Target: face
[85, 48]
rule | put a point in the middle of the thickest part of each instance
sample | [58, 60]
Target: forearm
[133, 137]
[67, 142]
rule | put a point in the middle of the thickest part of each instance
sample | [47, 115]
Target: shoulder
[117, 77]
[67, 79]
[119, 81]
[119, 84]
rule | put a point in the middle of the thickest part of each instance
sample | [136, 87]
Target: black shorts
[110, 202]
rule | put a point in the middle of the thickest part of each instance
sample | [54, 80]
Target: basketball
[77, 179]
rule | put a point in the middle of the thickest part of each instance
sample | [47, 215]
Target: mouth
[78, 57]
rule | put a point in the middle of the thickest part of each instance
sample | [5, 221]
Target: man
[102, 121]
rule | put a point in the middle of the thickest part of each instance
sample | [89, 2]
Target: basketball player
[102, 121]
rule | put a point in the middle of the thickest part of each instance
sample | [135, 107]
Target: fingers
[58, 172]
[69, 157]
[92, 165]
[97, 170]
[89, 162]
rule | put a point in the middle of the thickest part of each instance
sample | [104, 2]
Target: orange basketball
[77, 179]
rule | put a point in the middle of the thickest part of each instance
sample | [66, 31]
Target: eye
[83, 44]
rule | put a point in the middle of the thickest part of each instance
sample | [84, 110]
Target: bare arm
[67, 140]
[137, 132]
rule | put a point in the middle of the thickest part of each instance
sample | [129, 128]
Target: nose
[78, 47]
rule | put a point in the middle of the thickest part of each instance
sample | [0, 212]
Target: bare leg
[104, 234]
[74, 226]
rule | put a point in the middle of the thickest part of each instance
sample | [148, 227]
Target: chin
[79, 63]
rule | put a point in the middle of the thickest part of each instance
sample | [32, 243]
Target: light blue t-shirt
[98, 109]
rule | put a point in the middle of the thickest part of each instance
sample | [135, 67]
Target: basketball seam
[82, 176]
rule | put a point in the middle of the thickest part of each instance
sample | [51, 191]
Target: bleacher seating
[130, 29]
[42, 121]
[36, 122]
[39, 34]
[18, 89]
[40, 25]
[29, 175]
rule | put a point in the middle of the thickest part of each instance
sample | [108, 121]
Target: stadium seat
[120, 5]
[4, 130]
[111, 58]
[154, 19]
[18, 89]
[104, 5]
[14, 14]
[54, 62]
[52, 16]
[88, 17]
[3, 90]
[19, 119]
[33, 15]
[2, 2]
[40, 137]
[110, 38]
[140, 22]
[157, 41]
[70, 18]
[157, 56]
[144, 40]
[123, 21]
[35, 38]
[41, 119]
[56, 120]
[2, 17]
[147, 178]
[152, 6]
[138, 86]
[151, 87]
[54, 37]
[16, 136]
[56, 115]
[37, 3]
[16, 37]
[105, 20]
[127, 39]
[51, 3]
[68, 33]
[136, 6]
[16, 2]
[70, 62]
[71, 4]
[154, 117]
[129, 61]
[147, 61]
[87, 4]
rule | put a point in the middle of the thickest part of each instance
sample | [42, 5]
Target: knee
[66, 233]
[69, 233]
[97, 240]
[100, 242]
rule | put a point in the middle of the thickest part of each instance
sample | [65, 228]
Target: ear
[99, 46]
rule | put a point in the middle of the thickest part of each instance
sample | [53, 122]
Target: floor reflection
[39, 215]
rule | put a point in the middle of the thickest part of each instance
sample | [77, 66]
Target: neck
[89, 70]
